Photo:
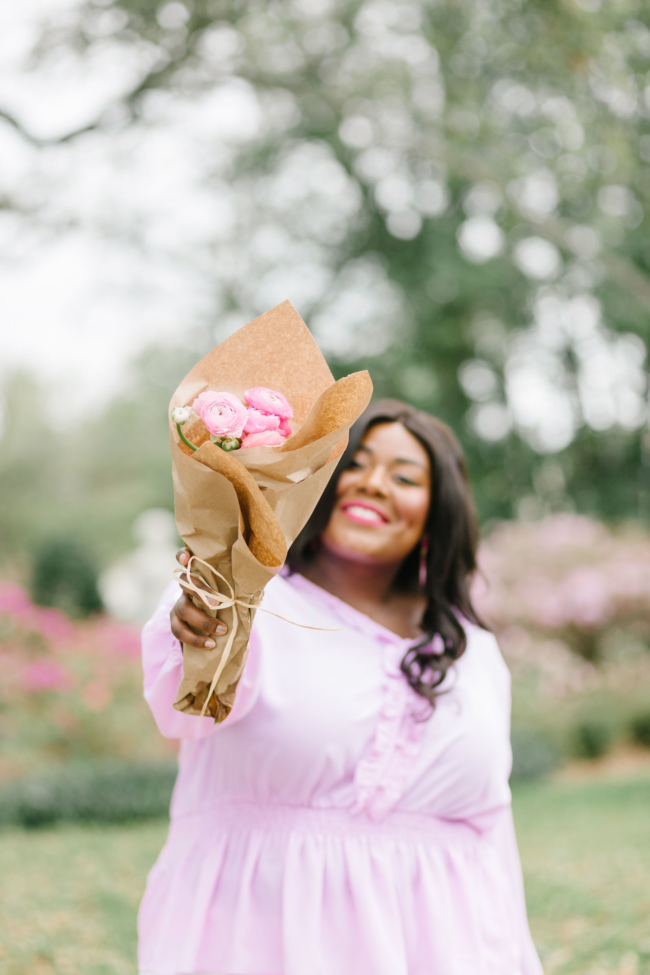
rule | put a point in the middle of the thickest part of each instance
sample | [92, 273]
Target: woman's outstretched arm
[177, 621]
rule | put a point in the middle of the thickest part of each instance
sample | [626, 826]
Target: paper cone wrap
[240, 511]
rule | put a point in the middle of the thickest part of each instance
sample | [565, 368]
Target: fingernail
[184, 557]
[209, 643]
[222, 628]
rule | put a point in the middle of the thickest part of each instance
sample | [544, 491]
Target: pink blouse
[326, 827]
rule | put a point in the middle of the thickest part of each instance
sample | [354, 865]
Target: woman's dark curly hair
[452, 536]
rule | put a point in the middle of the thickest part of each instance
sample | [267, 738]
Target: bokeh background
[454, 194]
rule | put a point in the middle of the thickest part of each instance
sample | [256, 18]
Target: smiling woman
[388, 483]
[403, 475]
[348, 817]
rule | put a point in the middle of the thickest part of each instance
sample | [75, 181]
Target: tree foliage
[455, 195]
[64, 576]
[85, 483]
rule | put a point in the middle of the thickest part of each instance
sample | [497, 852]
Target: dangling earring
[424, 551]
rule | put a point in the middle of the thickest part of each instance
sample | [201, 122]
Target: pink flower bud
[268, 438]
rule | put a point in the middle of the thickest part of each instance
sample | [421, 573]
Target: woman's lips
[364, 514]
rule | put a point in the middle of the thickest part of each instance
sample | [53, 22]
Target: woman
[352, 814]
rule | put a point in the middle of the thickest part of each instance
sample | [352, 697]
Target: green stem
[184, 438]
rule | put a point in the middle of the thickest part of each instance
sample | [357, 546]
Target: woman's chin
[364, 550]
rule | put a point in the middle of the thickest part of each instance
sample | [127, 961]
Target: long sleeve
[503, 837]
[162, 661]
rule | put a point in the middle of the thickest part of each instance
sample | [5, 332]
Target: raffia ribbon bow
[216, 600]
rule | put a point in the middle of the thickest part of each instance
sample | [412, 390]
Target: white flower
[181, 414]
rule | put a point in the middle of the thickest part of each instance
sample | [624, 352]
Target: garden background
[454, 194]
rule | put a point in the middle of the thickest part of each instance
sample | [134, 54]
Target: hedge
[107, 792]
[534, 754]
[115, 792]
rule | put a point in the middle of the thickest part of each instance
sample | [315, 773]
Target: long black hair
[451, 535]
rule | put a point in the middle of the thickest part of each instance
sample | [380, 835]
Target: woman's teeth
[364, 514]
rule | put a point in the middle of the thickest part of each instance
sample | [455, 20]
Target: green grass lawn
[585, 848]
[69, 895]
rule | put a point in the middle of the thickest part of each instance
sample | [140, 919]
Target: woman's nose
[376, 480]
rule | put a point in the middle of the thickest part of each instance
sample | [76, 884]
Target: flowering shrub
[70, 690]
[569, 600]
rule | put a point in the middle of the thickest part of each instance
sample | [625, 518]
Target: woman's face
[382, 499]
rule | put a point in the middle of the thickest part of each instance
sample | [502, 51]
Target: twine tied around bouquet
[216, 600]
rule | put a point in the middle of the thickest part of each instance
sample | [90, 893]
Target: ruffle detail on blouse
[381, 775]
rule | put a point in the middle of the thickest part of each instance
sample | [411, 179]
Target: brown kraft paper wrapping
[240, 511]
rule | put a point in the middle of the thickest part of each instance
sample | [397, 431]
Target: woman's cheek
[346, 480]
[413, 510]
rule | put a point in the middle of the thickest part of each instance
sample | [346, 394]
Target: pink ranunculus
[268, 438]
[259, 422]
[269, 401]
[223, 414]
[284, 428]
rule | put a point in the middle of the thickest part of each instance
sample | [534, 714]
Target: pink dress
[325, 828]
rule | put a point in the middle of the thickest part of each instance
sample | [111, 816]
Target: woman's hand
[192, 625]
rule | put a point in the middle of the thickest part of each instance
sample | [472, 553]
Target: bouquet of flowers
[261, 421]
[256, 429]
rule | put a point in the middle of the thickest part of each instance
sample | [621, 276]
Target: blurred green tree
[64, 576]
[86, 484]
[472, 184]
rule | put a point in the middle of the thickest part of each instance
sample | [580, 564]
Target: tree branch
[52, 140]
[153, 79]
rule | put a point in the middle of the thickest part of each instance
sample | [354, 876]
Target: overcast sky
[76, 300]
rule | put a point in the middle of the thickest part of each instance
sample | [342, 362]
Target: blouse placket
[382, 773]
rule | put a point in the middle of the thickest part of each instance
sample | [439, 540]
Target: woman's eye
[355, 465]
[405, 480]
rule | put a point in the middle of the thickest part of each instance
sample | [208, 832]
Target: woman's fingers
[193, 626]
[197, 618]
[185, 635]
[183, 556]
[190, 624]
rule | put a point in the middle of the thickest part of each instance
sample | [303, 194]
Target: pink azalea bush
[70, 690]
[16, 604]
[569, 599]
[45, 675]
